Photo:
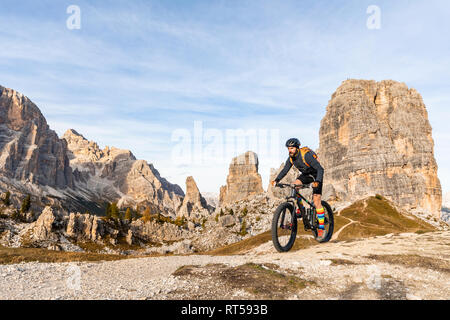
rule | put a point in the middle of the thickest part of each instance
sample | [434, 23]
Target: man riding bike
[305, 160]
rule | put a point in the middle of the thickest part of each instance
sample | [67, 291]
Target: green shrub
[26, 204]
[17, 216]
[379, 197]
[128, 215]
[7, 200]
[243, 228]
[115, 211]
[146, 215]
[244, 212]
[108, 211]
[179, 221]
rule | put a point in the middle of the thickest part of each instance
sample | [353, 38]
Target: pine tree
[16, 215]
[243, 228]
[146, 215]
[114, 211]
[203, 222]
[108, 211]
[128, 215]
[26, 204]
[7, 200]
[180, 221]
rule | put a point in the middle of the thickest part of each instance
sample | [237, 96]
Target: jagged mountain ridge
[71, 171]
[117, 174]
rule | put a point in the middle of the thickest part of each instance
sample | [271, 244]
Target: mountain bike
[284, 222]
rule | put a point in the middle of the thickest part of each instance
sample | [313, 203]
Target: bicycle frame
[294, 198]
[295, 194]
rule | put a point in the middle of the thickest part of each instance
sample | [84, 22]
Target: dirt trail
[405, 266]
[336, 234]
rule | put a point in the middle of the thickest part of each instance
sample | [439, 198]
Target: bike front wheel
[284, 227]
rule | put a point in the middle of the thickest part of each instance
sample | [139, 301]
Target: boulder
[43, 227]
[85, 227]
[227, 221]
[129, 237]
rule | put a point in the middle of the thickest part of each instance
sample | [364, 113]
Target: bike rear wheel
[329, 224]
[284, 227]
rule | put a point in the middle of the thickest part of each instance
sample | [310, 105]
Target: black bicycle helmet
[293, 142]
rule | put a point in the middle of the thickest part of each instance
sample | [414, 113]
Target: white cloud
[136, 72]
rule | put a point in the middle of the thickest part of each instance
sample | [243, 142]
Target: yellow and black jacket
[306, 161]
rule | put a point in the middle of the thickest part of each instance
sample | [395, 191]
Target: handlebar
[293, 185]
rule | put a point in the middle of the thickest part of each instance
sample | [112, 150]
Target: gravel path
[341, 271]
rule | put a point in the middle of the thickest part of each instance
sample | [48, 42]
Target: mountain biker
[306, 161]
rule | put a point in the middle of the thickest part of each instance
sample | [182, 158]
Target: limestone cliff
[243, 179]
[30, 152]
[376, 138]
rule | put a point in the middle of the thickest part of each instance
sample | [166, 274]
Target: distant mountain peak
[34, 160]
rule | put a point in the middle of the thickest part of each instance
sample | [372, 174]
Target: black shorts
[307, 179]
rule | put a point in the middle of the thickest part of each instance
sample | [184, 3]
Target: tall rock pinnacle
[376, 138]
[243, 179]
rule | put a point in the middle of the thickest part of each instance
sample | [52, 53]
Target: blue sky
[137, 71]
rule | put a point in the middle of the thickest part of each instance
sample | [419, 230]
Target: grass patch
[185, 270]
[375, 216]
[264, 282]
[90, 246]
[303, 243]
[259, 280]
[272, 266]
[343, 262]
[242, 246]
[423, 231]
[18, 255]
[412, 260]
[340, 222]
